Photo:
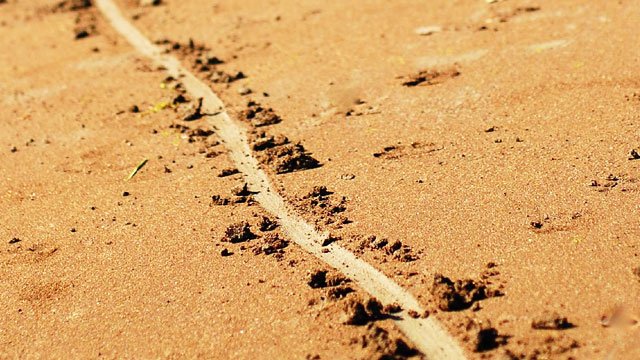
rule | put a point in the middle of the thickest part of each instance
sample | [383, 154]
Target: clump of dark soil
[14, 240]
[72, 5]
[358, 312]
[196, 113]
[636, 271]
[271, 244]
[430, 77]
[324, 208]
[339, 292]
[621, 182]
[85, 25]
[551, 347]
[487, 339]
[380, 344]
[280, 155]
[481, 335]
[222, 77]
[551, 321]
[335, 284]
[259, 116]
[239, 195]
[461, 294]
[392, 308]
[414, 149]
[456, 295]
[288, 158]
[193, 135]
[263, 141]
[242, 194]
[202, 61]
[330, 239]
[203, 137]
[319, 192]
[228, 172]
[266, 224]
[219, 200]
[322, 279]
[238, 232]
[395, 250]
[242, 190]
[606, 184]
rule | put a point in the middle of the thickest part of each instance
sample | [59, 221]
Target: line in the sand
[427, 334]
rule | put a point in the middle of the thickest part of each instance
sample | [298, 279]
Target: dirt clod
[219, 200]
[456, 295]
[228, 172]
[551, 321]
[318, 192]
[430, 77]
[487, 339]
[263, 142]
[242, 190]
[339, 292]
[381, 344]
[324, 208]
[318, 279]
[72, 5]
[289, 158]
[322, 279]
[358, 312]
[238, 232]
[197, 112]
[266, 224]
[392, 308]
[396, 250]
[259, 116]
[272, 243]
[14, 241]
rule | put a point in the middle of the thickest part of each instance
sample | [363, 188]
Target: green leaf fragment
[137, 168]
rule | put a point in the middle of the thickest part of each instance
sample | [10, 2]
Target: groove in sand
[427, 334]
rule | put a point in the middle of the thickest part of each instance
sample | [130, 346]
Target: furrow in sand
[427, 334]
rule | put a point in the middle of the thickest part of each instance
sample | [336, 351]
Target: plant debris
[137, 168]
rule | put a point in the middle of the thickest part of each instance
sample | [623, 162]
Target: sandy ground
[504, 138]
